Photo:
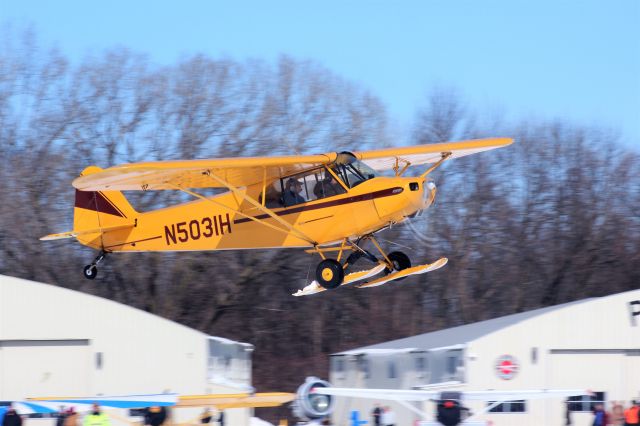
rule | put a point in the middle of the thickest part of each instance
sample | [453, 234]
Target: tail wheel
[400, 261]
[90, 272]
[329, 274]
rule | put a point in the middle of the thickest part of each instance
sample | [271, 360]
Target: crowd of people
[152, 416]
[617, 415]
[64, 417]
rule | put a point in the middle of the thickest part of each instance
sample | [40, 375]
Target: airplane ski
[314, 287]
[414, 270]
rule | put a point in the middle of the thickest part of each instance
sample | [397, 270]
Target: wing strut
[202, 197]
[445, 155]
[262, 208]
[289, 228]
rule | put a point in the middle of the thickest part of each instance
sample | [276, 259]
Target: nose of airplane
[421, 194]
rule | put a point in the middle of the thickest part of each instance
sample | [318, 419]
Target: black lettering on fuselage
[170, 233]
[223, 224]
[208, 230]
[183, 235]
[195, 229]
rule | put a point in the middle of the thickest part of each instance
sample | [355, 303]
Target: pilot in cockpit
[292, 194]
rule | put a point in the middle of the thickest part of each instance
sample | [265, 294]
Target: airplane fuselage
[228, 221]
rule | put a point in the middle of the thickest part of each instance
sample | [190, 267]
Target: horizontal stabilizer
[73, 234]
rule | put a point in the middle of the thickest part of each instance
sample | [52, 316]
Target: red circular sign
[507, 367]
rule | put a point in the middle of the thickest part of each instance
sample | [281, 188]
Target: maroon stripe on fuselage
[92, 200]
[346, 200]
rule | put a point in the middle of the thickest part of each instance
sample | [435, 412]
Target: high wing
[389, 158]
[426, 395]
[245, 171]
[240, 171]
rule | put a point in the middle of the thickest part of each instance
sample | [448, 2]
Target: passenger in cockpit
[327, 187]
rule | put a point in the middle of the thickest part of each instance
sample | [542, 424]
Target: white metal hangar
[590, 344]
[59, 342]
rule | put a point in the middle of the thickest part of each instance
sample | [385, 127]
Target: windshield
[366, 171]
[352, 171]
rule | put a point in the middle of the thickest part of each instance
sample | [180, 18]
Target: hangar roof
[451, 337]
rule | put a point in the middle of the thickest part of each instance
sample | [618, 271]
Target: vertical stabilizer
[100, 209]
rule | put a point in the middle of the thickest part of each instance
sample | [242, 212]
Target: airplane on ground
[315, 400]
[330, 203]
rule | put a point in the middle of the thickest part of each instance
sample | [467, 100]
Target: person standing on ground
[599, 416]
[11, 418]
[155, 416]
[632, 415]
[62, 414]
[71, 417]
[96, 417]
[616, 417]
[388, 417]
[376, 414]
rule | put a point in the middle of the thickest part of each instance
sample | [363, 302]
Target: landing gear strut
[396, 260]
[91, 270]
[330, 273]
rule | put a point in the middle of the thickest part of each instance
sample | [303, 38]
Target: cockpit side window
[307, 186]
[326, 185]
[273, 196]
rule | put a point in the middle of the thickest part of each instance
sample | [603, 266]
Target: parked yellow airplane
[331, 202]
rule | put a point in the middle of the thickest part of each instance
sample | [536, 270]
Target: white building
[59, 342]
[590, 344]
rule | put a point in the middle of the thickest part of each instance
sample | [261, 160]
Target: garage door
[30, 368]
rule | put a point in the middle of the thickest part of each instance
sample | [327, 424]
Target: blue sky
[547, 58]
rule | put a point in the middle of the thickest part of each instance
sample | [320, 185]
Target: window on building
[99, 360]
[363, 365]
[534, 355]
[518, 406]
[421, 366]
[586, 402]
[338, 365]
[452, 364]
[391, 370]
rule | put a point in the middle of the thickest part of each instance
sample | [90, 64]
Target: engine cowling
[310, 405]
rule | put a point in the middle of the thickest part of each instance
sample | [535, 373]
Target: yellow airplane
[326, 203]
